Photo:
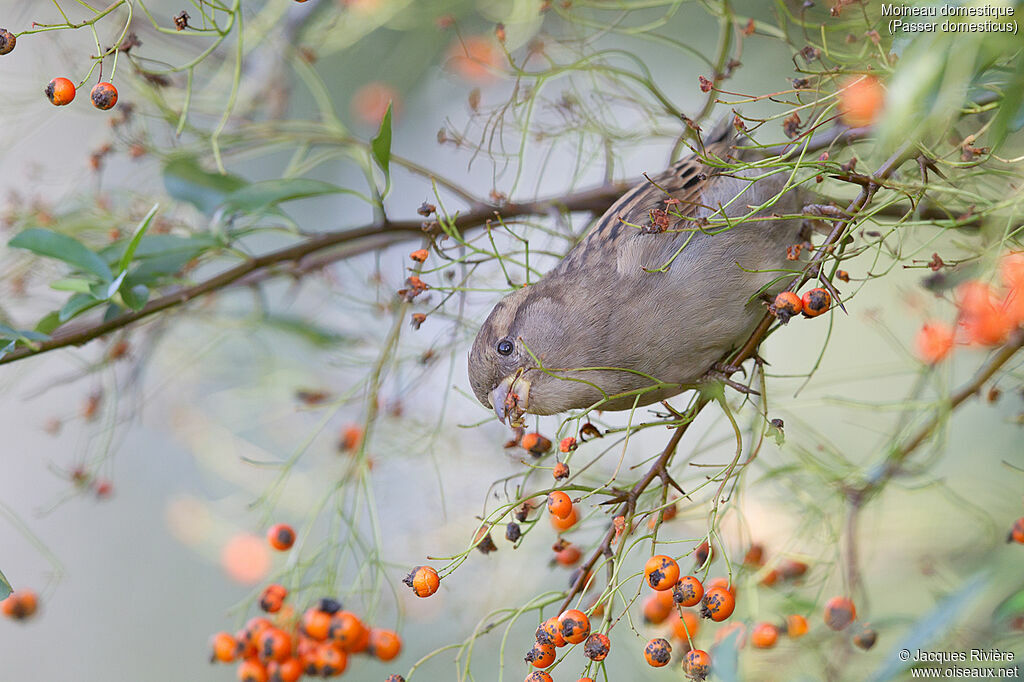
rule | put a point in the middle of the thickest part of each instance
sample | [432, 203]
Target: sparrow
[663, 285]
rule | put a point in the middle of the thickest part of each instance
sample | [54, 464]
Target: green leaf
[50, 322]
[381, 145]
[158, 245]
[135, 297]
[21, 334]
[140, 231]
[76, 305]
[929, 628]
[261, 195]
[62, 247]
[185, 180]
[76, 284]
[5, 587]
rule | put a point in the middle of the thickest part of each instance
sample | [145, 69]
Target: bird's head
[526, 330]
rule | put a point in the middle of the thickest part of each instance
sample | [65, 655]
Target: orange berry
[563, 524]
[981, 319]
[568, 444]
[933, 342]
[575, 626]
[688, 591]
[103, 96]
[839, 612]
[423, 580]
[535, 444]
[223, 648]
[361, 643]
[281, 537]
[796, 626]
[7, 41]
[538, 676]
[60, 91]
[1017, 532]
[541, 655]
[585, 679]
[658, 652]
[346, 630]
[718, 604]
[475, 58]
[597, 647]
[656, 610]
[273, 598]
[370, 102]
[568, 555]
[861, 101]
[20, 605]
[289, 670]
[815, 302]
[703, 553]
[550, 632]
[252, 670]
[685, 626]
[385, 644]
[661, 572]
[764, 636]
[791, 569]
[770, 578]
[274, 645]
[559, 504]
[786, 306]
[351, 438]
[330, 661]
[419, 255]
[864, 637]
[315, 624]
[697, 664]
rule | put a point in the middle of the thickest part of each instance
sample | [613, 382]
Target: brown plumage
[634, 307]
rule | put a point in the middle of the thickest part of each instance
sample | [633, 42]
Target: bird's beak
[510, 399]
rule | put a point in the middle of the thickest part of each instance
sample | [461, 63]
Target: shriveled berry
[661, 572]
[697, 664]
[20, 605]
[791, 569]
[7, 41]
[597, 647]
[688, 591]
[815, 302]
[394, 678]
[568, 555]
[104, 96]
[786, 306]
[839, 612]
[568, 444]
[483, 540]
[658, 652]
[423, 580]
[703, 553]
[513, 532]
[419, 255]
[560, 471]
[329, 605]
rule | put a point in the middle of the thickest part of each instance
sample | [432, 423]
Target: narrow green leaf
[140, 231]
[7, 349]
[21, 334]
[76, 305]
[5, 587]
[76, 284]
[186, 180]
[261, 195]
[62, 247]
[381, 145]
[114, 286]
[159, 245]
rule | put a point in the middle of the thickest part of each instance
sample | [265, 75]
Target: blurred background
[211, 423]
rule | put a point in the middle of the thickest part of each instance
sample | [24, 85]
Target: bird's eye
[505, 347]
